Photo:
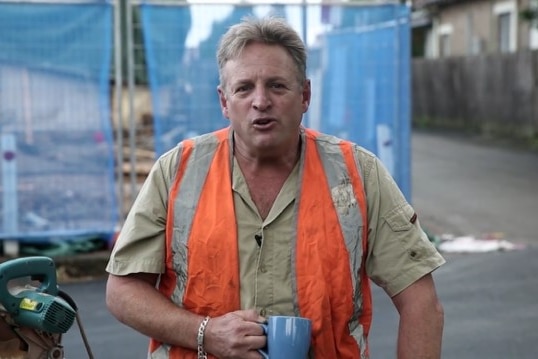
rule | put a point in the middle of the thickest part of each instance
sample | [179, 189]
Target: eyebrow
[270, 79]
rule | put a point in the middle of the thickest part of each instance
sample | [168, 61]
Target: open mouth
[263, 124]
[262, 121]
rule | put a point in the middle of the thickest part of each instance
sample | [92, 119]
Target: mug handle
[263, 351]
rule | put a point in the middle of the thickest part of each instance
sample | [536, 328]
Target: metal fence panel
[359, 66]
[364, 76]
[57, 165]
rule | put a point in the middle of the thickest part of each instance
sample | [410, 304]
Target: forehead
[258, 59]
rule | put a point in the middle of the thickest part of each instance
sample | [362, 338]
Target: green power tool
[34, 312]
[39, 307]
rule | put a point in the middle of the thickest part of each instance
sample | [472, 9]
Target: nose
[261, 100]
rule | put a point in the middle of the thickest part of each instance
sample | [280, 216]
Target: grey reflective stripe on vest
[162, 352]
[351, 223]
[185, 206]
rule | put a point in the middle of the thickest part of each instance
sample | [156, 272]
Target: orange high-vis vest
[329, 280]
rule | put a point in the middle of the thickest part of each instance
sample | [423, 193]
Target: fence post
[118, 80]
[9, 193]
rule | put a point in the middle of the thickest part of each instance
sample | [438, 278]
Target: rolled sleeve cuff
[414, 273]
[125, 267]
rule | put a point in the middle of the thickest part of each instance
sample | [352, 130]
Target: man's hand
[236, 335]
[135, 302]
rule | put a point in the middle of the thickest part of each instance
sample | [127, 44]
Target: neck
[273, 161]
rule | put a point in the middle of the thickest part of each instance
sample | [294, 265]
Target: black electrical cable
[72, 303]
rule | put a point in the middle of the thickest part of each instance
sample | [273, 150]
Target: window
[503, 32]
[444, 45]
[533, 36]
[444, 38]
[505, 15]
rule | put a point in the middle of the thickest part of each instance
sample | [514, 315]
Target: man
[267, 217]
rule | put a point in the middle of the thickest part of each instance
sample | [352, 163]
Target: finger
[257, 330]
[250, 315]
[254, 354]
[256, 341]
[260, 320]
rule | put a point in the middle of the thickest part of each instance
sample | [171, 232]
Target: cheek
[237, 107]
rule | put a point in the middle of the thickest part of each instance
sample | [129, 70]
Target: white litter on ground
[471, 244]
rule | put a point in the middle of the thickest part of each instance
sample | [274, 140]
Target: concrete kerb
[82, 267]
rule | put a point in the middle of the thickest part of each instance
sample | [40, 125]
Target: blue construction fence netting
[56, 139]
[359, 65]
[57, 145]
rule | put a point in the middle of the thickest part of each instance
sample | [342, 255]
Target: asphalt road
[465, 186]
[490, 299]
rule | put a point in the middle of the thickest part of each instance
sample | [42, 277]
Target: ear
[307, 95]
[223, 102]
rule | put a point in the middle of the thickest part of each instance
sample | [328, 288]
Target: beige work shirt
[399, 252]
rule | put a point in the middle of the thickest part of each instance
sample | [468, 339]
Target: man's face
[263, 99]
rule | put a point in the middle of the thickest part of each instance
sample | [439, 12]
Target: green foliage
[533, 142]
[529, 14]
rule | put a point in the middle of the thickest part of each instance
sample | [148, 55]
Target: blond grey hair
[269, 30]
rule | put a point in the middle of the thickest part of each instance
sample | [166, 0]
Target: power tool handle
[39, 268]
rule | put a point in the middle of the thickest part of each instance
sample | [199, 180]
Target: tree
[530, 14]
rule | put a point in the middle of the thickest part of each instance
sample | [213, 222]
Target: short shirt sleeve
[140, 246]
[399, 251]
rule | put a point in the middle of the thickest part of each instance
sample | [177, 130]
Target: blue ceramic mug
[287, 337]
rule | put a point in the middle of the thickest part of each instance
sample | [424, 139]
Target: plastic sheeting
[57, 165]
[359, 66]
[364, 75]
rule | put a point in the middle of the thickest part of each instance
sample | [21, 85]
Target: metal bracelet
[200, 339]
